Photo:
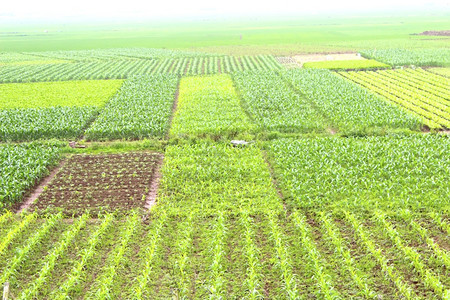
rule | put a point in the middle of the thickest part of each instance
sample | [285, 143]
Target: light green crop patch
[212, 177]
[51, 94]
[346, 64]
[209, 106]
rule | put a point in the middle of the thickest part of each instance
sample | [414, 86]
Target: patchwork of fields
[340, 190]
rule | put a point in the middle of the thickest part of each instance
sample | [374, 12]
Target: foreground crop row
[328, 255]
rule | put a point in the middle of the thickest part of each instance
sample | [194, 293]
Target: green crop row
[140, 109]
[386, 172]
[403, 57]
[441, 71]
[125, 68]
[433, 109]
[346, 64]
[275, 105]
[242, 254]
[29, 124]
[345, 104]
[21, 166]
[209, 106]
[50, 94]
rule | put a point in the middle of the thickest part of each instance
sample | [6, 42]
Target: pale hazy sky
[51, 9]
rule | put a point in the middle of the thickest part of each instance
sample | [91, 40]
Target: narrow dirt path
[40, 188]
[153, 193]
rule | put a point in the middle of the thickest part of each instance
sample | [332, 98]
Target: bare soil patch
[301, 59]
[436, 33]
[105, 182]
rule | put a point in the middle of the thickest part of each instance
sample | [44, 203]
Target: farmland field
[238, 168]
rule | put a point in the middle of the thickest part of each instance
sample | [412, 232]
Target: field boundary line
[174, 108]
[150, 199]
[39, 189]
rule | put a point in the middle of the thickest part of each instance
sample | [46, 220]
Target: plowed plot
[100, 183]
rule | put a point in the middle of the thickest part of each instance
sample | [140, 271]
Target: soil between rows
[96, 183]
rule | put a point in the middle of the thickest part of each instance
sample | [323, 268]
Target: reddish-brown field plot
[100, 183]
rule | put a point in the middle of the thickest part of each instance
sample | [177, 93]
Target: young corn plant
[183, 250]
[106, 280]
[217, 240]
[439, 253]
[140, 287]
[437, 218]
[324, 284]
[430, 279]
[52, 258]
[389, 270]
[331, 233]
[283, 261]
[6, 217]
[15, 232]
[76, 275]
[252, 257]
[22, 254]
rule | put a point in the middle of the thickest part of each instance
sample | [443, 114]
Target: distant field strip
[51, 94]
[209, 106]
[123, 68]
[419, 92]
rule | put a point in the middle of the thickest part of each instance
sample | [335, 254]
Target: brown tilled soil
[436, 33]
[301, 59]
[104, 182]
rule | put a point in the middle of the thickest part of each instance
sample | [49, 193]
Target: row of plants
[331, 254]
[209, 106]
[385, 172]
[140, 109]
[274, 105]
[348, 106]
[432, 109]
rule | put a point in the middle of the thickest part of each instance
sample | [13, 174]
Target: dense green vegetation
[418, 92]
[346, 64]
[212, 177]
[275, 105]
[124, 63]
[349, 107]
[209, 106]
[21, 166]
[393, 172]
[140, 109]
[28, 124]
[51, 94]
